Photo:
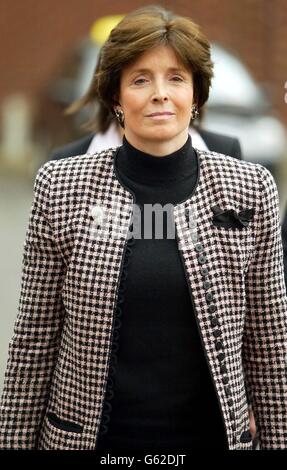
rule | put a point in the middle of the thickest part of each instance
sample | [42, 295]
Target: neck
[142, 166]
[157, 148]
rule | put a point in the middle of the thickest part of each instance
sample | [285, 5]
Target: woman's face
[156, 82]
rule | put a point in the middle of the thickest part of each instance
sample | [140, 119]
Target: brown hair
[136, 33]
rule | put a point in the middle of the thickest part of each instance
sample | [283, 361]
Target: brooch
[230, 218]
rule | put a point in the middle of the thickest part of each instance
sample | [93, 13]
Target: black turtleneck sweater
[161, 396]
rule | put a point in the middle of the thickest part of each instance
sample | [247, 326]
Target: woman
[128, 339]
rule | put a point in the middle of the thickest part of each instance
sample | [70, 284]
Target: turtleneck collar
[141, 166]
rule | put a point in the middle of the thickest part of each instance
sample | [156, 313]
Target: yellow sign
[102, 27]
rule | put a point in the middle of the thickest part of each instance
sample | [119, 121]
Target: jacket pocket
[63, 424]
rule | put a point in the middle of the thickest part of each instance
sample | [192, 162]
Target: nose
[159, 98]
[159, 93]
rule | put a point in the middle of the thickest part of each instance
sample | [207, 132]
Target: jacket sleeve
[284, 240]
[34, 345]
[265, 339]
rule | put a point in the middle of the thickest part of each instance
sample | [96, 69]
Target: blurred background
[48, 53]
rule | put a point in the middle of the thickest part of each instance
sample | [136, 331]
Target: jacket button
[207, 284]
[103, 429]
[225, 380]
[202, 259]
[194, 237]
[192, 224]
[212, 308]
[221, 356]
[214, 321]
[131, 241]
[230, 402]
[223, 369]
[216, 333]
[198, 247]
[218, 345]
[209, 297]
[204, 271]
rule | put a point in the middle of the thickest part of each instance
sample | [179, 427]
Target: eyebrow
[172, 69]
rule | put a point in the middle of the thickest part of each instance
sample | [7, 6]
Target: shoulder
[65, 171]
[221, 161]
[241, 175]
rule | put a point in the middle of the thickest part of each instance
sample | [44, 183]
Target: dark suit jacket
[215, 142]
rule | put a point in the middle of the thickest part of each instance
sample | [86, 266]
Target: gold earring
[120, 116]
[194, 112]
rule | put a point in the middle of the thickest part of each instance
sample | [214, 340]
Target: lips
[165, 113]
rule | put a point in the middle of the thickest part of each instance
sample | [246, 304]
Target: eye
[178, 78]
[139, 80]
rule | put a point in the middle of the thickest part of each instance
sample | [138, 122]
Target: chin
[160, 134]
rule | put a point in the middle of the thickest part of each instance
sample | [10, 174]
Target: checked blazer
[59, 353]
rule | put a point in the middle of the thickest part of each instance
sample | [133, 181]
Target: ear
[116, 99]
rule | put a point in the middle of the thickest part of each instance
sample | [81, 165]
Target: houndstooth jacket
[59, 354]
